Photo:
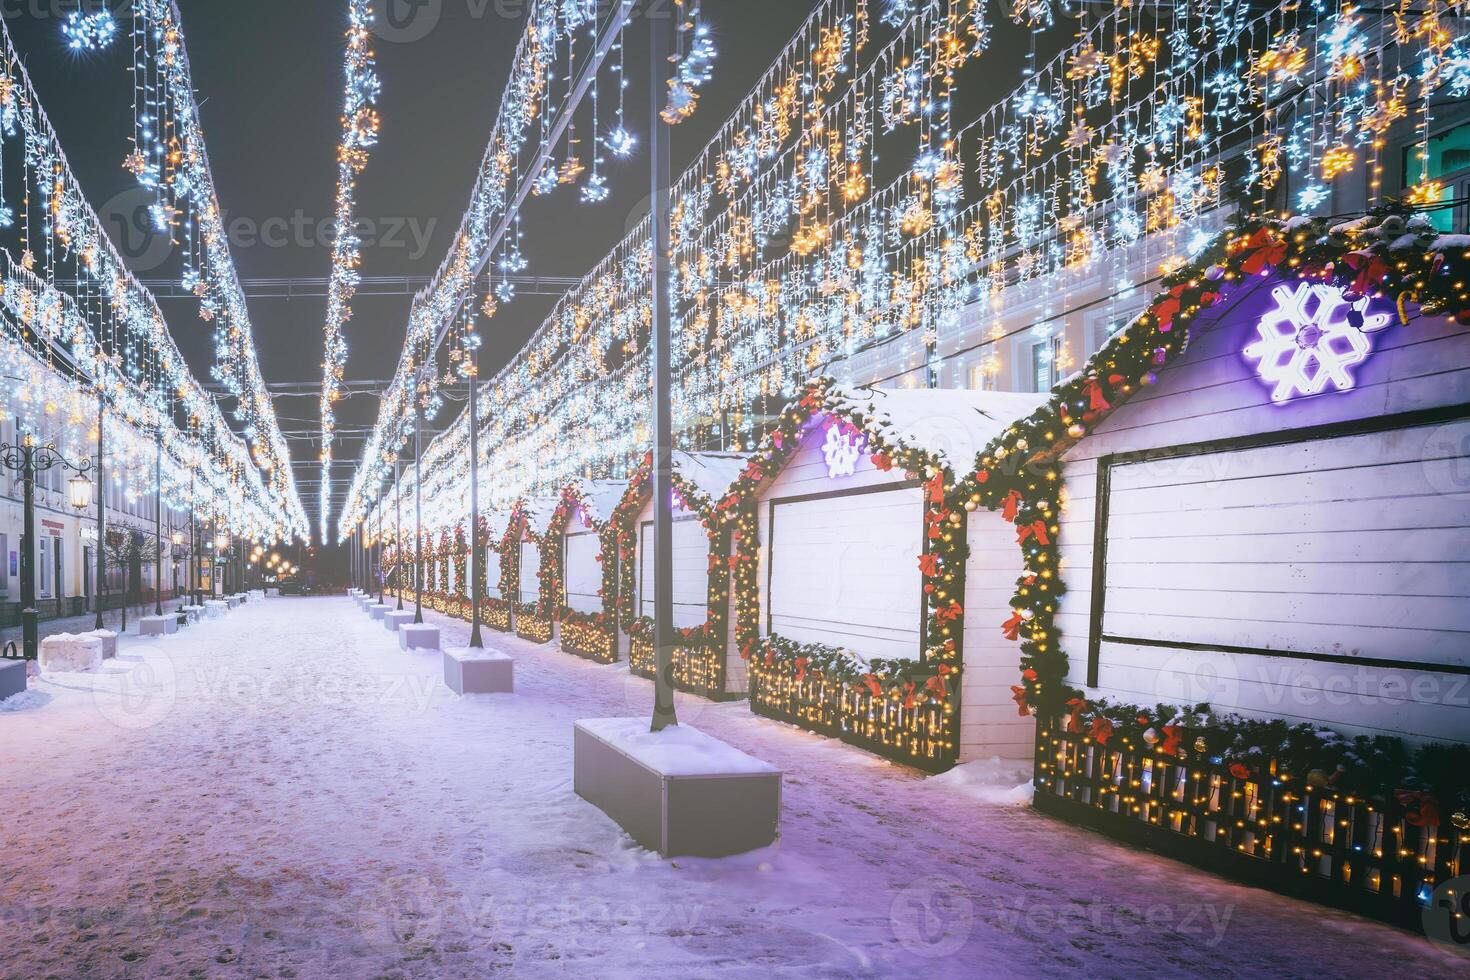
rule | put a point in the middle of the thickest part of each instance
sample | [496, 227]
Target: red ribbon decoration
[936, 489]
[1036, 529]
[1173, 736]
[1018, 695]
[952, 611]
[929, 565]
[1370, 269]
[1102, 730]
[1264, 250]
[1074, 717]
[1012, 627]
[882, 462]
[874, 687]
[801, 663]
[1423, 808]
[1011, 505]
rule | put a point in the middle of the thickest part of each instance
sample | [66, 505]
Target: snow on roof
[498, 522]
[952, 424]
[710, 473]
[539, 511]
[602, 496]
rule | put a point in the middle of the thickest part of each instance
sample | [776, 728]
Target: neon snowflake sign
[842, 450]
[1311, 339]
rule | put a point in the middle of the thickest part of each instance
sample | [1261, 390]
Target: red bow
[874, 687]
[1240, 770]
[909, 700]
[1018, 695]
[1011, 505]
[1102, 730]
[1012, 627]
[882, 462]
[936, 489]
[1074, 717]
[801, 663]
[1173, 735]
[1097, 402]
[1036, 529]
[1371, 270]
[952, 611]
[1427, 814]
[1264, 250]
[929, 565]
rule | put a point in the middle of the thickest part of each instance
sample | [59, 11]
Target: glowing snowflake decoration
[842, 451]
[1311, 338]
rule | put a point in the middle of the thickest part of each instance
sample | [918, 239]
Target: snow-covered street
[283, 793]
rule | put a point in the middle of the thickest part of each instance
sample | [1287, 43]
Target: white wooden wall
[492, 574]
[989, 723]
[583, 572]
[530, 572]
[691, 568]
[1353, 548]
[841, 568]
[691, 585]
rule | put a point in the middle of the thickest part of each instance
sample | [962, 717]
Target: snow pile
[952, 425]
[676, 751]
[70, 653]
[1000, 782]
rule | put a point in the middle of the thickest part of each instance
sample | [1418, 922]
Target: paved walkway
[283, 793]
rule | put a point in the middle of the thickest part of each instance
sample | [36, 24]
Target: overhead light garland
[84, 319]
[170, 158]
[360, 124]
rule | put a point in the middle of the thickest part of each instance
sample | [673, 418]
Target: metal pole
[477, 555]
[378, 564]
[418, 511]
[398, 526]
[101, 514]
[661, 35]
[29, 615]
[158, 523]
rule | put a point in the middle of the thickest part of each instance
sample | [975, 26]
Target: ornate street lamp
[29, 459]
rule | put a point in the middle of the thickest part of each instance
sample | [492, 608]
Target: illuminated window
[1448, 158]
[1045, 356]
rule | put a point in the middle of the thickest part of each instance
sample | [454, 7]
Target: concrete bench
[256, 595]
[420, 636]
[479, 672]
[193, 613]
[109, 642]
[65, 653]
[158, 626]
[678, 791]
[233, 601]
[12, 678]
[379, 610]
[215, 608]
[395, 620]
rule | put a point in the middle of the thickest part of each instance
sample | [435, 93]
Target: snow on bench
[67, 652]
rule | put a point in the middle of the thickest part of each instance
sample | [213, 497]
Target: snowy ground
[283, 793]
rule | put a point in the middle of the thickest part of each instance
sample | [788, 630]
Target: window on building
[4, 564]
[980, 378]
[43, 561]
[1445, 160]
[1045, 355]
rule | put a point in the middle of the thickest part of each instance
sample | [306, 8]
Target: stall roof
[710, 473]
[952, 424]
[539, 511]
[603, 496]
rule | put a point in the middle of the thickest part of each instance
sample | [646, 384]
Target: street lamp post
[398, 528]
[158, 523]
[661, 36]
[476, 555]
[418, 510]
[101, 548]
[29, 459]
